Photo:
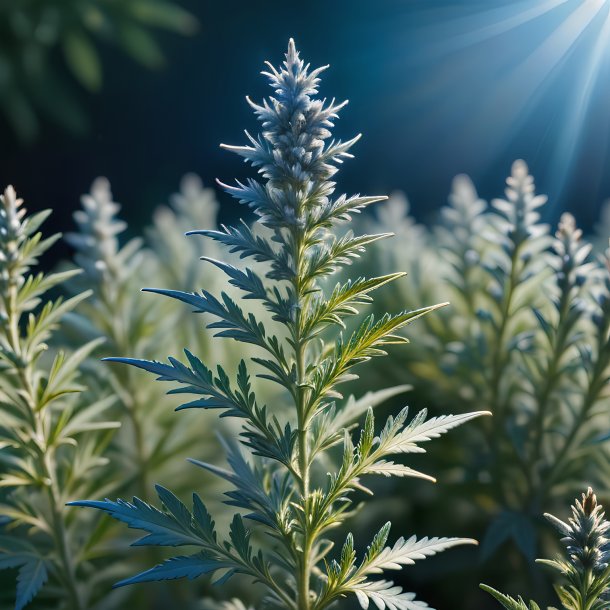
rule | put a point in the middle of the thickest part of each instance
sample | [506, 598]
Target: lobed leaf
[173, 528]
[385, 595]
[186, 566]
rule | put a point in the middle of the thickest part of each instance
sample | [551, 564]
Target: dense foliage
[526, 336]
[113, 314]
[52, 434]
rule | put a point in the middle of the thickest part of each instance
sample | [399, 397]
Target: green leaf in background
[141, 46]
[164, 15]
[526, 337]
[83, 60]
[509, 524]
[32, 575]
[30, 32]
[51, 436]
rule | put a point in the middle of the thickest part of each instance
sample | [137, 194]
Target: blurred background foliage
[526, 336]
[152, 443]
[45, 45]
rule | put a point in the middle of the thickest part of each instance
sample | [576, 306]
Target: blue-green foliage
[52, 436]
[113, 270]
[304, 349]
[526, 336]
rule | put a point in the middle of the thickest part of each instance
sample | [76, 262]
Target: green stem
[499, 361]
[499, 357]
[61, 536]
[596, 385]
[543, 395]
[303, 449]
[303, 579]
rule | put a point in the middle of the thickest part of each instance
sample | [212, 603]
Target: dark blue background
[428, 109]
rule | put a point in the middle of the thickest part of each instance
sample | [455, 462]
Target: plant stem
[499, 361]
[303, 441]
[61, 537]
[303, 579]
[43, 453]
[499, 357]
[545, 392]
[595, 387]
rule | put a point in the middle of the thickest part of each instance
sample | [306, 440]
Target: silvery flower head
[584, 535]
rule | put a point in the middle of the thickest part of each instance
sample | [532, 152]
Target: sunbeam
[539, 68]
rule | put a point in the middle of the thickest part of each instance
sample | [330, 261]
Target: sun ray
[584, 93]
[521, 87]
[524, 76]
[491, 23]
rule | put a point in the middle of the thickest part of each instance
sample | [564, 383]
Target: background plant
[115, 315]
[275, 471]
[152, 440]
[526, 337]
[585, 572]
[32, 81]
[52, 434]
[128, 322]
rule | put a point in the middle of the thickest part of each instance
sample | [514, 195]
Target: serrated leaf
[385, 594]
[389, 469]
[508, 602]
[407, 552]
[420, 430]
[31, 577]
[163, 528]
[187, 566]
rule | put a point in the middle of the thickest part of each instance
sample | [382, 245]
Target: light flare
[537, 66]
